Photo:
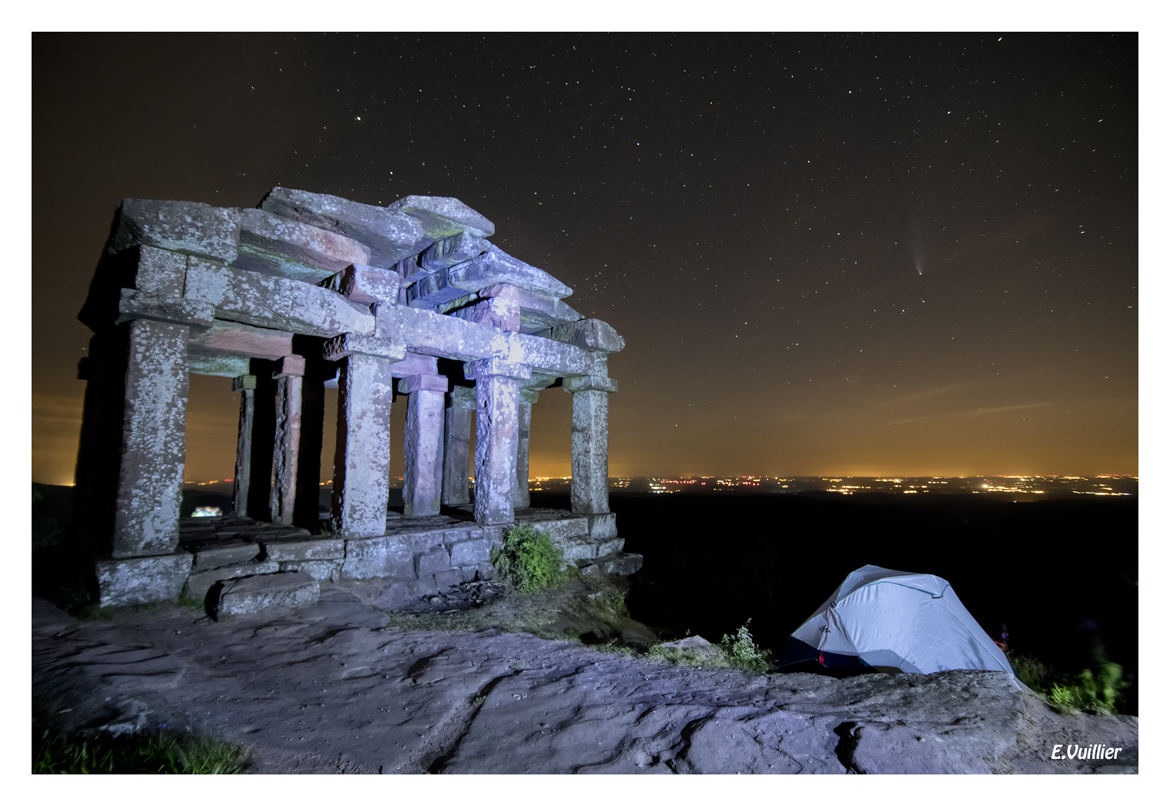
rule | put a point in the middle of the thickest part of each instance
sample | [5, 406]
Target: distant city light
[1017, 485]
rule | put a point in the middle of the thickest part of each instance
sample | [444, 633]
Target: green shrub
[1097, 690]
[1031, 672]
[1102, 688]
[743, 651]
[143, 753]
[528, 559]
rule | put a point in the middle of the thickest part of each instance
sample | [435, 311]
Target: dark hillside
[1060, 575]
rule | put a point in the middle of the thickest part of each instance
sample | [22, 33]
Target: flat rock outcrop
[332, 688]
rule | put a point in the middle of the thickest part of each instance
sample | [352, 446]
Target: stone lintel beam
[154, 419]
[444, 216]
[552, 357]
[587, 383]
[434, 334]
[349, 344]
[159, 272]
[496, 266]
[415, 364]
[451, 251]
[493, 267]
[390, 234]
[493, 367]
[274, 302]
[422, 479]
[540, 381]
[529, 396]
[365, 285]
[271, 244]
[192, 228]
[217, 364]
[500, 313]
[447, 337]
[234, 338]
[139, 305]
[589, 334]
[434, 290]
[537, 313]
[410, 271]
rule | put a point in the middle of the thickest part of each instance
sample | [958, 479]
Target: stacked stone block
[284, 298]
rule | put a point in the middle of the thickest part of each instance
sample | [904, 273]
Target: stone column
[520, 495]
[589, 489]
[422, 478]
[361, 465]
[246, 386]
[95, 490]
[263, 440]
[289, 377]
[457, 446]
[307, 510]
[154, 423]
[497, 393]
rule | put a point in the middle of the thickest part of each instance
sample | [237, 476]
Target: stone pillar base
[139, 580]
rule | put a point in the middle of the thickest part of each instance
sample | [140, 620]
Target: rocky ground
[347, 687]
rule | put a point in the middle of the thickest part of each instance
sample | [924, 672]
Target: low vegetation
[743, 651]
[1098, 689]
[739, 651]
[528, 560]
[689, 657]
[141, 753]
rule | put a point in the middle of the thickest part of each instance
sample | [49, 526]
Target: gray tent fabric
[899, 619]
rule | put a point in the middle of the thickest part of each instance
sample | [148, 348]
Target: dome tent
[907, 621]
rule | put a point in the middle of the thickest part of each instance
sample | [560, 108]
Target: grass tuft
[687, 657]
[156, 753]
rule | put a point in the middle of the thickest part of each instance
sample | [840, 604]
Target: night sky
[828, 254]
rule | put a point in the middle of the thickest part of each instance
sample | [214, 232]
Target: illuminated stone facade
[310, 291]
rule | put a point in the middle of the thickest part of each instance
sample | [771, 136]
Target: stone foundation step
[200, 582]
[219, 553]
[285, 589]
[622, 565]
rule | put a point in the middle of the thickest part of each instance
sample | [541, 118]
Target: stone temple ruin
[310, 291]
